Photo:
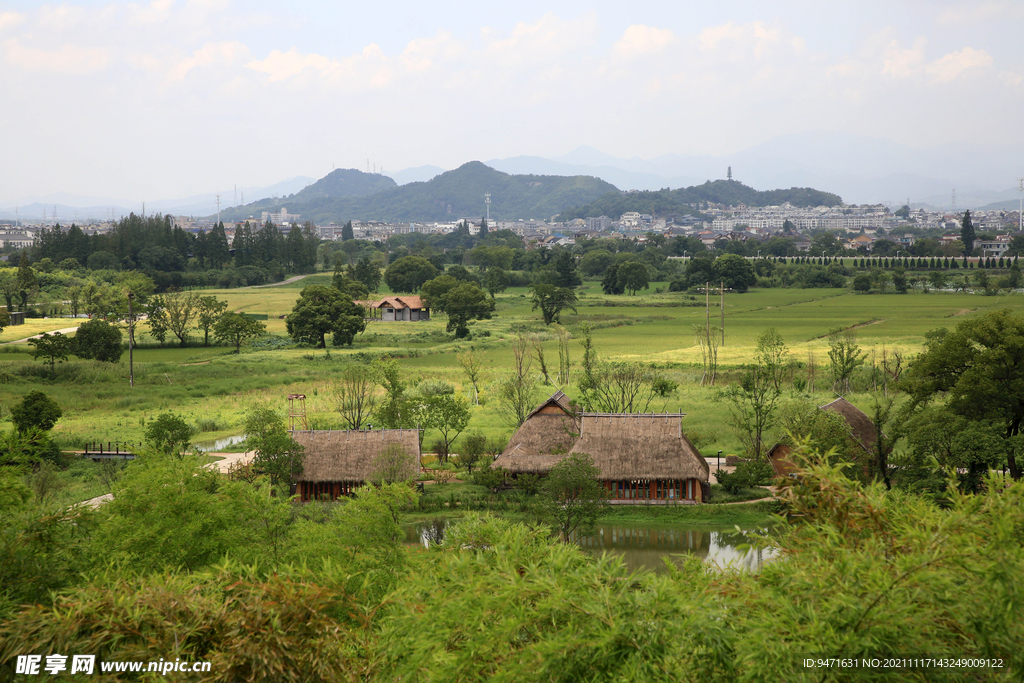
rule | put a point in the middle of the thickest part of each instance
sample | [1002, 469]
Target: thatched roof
[860, 424]
[337, 455]
[542, 440]
[631, 446]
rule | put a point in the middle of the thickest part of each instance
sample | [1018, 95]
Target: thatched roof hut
[861, 425]
[544, 438]
[646, 447]
[862, 428]
[338, 461]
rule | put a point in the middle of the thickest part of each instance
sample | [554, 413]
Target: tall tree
[355, 395]
[321, 310]
[573, 496]
[845, 356]
[979, 368]
[755, 399]
[98, 340]
[235, 328]
[449, 415]
[346, 232]
[181, 309]
[552, 300]
[52, 348]
[967, 235]
[210, 309]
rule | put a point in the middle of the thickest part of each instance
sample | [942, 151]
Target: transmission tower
[218, 209]
[1020, 209]
[954, 200]
[487, 202]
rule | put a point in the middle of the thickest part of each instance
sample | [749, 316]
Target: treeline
[154, 244]
[684, 199]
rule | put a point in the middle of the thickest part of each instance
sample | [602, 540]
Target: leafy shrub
[435, 387]
[747, 475]
[491, 478]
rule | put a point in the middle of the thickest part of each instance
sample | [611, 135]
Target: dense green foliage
[727, 192]
[186, 564]
[321, 310]
[35, 411]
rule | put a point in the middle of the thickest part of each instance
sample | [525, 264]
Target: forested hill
[457, 193]
[338, 184]
[728, 192]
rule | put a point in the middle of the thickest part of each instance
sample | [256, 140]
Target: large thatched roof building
[338, 462]
[548, 433]
[642, 458]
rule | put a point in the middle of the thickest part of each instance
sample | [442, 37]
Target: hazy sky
[135, 100]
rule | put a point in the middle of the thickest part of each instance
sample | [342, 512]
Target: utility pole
[722, 289]
[722, 307]
[131, 342]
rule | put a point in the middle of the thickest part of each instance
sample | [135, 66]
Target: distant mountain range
[445, 197]
[75, 207]
[860, 169]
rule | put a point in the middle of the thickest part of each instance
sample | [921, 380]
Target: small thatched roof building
[544, 438]
[862, 428]
[337, 462]
[861, 425]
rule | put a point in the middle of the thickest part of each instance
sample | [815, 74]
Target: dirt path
[66, 330]
[229, 459]
[278, 284]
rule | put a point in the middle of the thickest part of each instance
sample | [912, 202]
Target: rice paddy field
[213, 387]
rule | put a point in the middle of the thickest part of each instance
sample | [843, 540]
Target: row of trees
[156, 243]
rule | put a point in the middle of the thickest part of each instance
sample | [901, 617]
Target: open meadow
[212, 387]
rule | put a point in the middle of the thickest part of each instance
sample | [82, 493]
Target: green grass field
[213, 387]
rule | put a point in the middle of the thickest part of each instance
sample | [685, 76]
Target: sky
[162, 99]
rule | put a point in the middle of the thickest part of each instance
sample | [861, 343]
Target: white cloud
[71, 59]
[639, 40]
[901, 62]
[155, 12]
[10, 20]
[281, 65]
[423, 53]
[211, 53]
[949, 67]
[549, 38]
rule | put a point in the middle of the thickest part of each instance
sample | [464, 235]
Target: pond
[219, 444]
[644, 546]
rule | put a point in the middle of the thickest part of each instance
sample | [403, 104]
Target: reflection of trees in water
[427, 533]
[645, 547]
[642, 547]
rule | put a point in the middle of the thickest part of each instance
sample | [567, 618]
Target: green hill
[340, 183]
[455, 194]
[728, 192]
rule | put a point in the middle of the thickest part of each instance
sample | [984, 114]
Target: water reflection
[645, 546]
[219, 444]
